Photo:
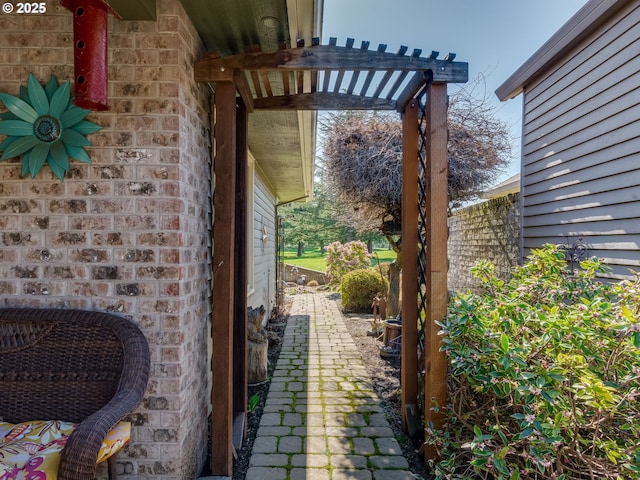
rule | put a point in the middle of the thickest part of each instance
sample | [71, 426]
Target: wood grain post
[224, 167]
[409, 398]
[240, 382]
[436, 256]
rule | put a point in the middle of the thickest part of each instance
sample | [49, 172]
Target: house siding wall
[581, 148]
[485, 231]
[264, 273]
[127, 233]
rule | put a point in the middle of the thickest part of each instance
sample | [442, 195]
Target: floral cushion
[31, 450]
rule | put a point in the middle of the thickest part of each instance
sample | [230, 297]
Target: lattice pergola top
[330, 77]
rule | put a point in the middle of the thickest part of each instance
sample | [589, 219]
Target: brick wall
[127, 233]
[489, 230]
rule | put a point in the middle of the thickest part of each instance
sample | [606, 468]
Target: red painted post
[90, 52]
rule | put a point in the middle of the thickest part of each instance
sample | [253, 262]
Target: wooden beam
[367, 82]
[264, 75]
[409, 380]
[396, 85]
[436, 257]
[300, 81]
[257, 86]
[326, 80]
[326, 57]
[285, 83]
[411, 89]
[354, 80]
[240, 329]
[339, 79]
[383, 83]
[242, 85]
[224, 166]
[323, 101]
[222, 76]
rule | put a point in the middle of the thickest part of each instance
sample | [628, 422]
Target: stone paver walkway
[321, 419]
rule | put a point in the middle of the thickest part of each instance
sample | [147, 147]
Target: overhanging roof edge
[588, 18]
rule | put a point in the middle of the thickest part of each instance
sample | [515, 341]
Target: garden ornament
[43, 125]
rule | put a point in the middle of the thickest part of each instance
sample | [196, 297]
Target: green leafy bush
[345, 257]
[358, 288]
[544, 377]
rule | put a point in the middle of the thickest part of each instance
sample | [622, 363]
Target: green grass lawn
[314, 260]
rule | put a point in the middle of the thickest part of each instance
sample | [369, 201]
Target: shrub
[347, 257]
[358, 288]
[544, 376]
[383, 268]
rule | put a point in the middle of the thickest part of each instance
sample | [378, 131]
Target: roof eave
[509, 186]
[305, 21]
[575, 30]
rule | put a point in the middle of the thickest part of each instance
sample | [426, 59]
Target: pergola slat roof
[330, 77]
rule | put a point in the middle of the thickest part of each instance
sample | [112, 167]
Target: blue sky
[494, 36]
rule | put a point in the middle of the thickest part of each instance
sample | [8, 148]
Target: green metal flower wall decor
[43, 125]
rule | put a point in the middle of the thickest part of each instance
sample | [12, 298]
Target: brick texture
[128, 232]
[489, 231]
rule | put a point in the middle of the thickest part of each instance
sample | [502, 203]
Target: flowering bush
[545, 376]
[342, 258]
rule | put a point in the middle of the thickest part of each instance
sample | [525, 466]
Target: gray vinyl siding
[264, 253]
[581, 147]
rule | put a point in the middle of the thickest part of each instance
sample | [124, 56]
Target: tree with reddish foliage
[362, 155]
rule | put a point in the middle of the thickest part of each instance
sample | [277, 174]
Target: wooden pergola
[332, 77]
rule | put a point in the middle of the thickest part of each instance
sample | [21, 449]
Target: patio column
[240, 356]
[224, 198]
[436, 256]
[409, 381]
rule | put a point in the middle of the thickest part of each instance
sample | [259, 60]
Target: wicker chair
[79, 366]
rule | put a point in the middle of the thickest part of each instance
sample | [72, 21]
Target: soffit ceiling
[281, 142]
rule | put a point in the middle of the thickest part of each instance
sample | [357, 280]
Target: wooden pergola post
[409, 381]
[224, 198]
[436, 256]
[240, 356]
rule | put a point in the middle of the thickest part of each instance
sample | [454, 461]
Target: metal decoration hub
[47, 128]
[44, 127]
